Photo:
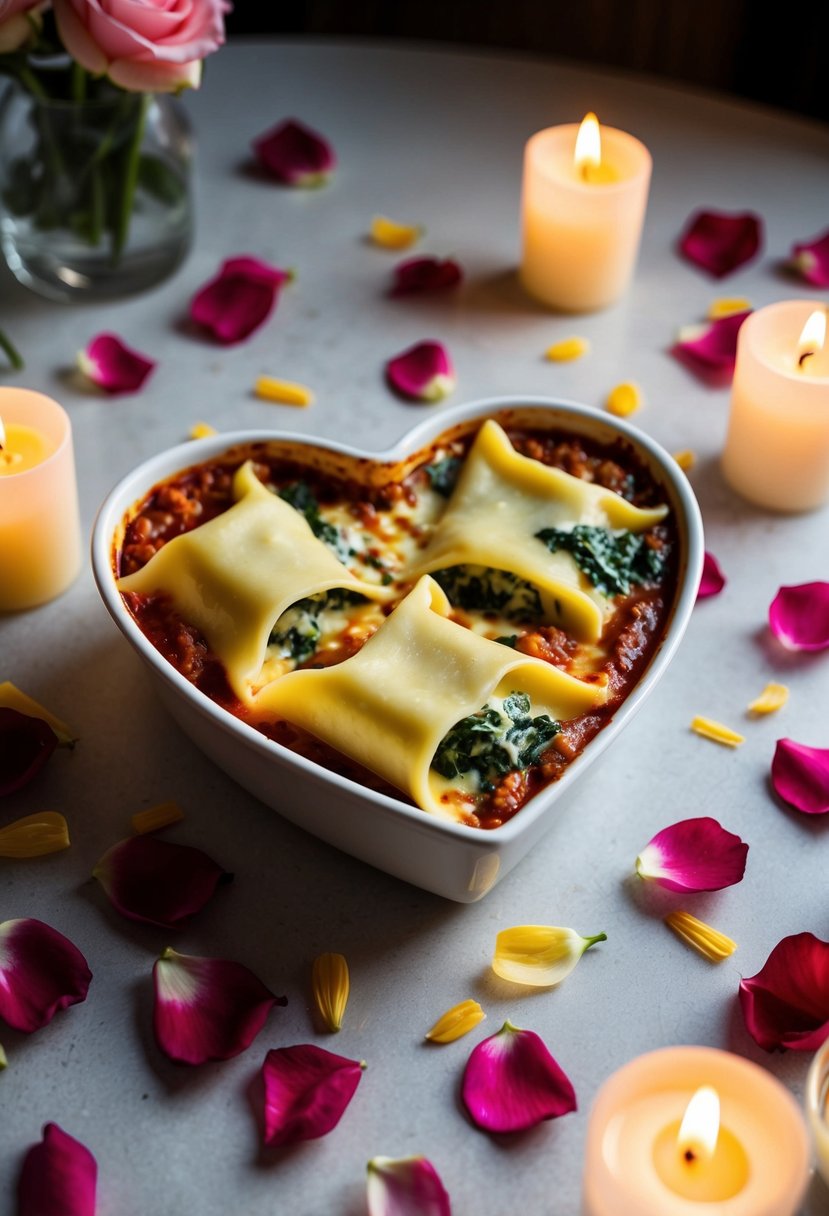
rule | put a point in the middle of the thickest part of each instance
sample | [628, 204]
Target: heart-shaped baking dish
[452, 859]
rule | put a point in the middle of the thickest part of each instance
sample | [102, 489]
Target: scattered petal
[4, 1063]
[624, 399]
[713, 580]
[405, 1186]
[709, 729]
[707, 941]
[202, 430]
[726, 306]
[12, 698]
[686, 459]
[58, 1178]
[307, 1090]
[422, 275]
[772, 698]
[719, 243]
[156, 817]
[712, 348]
[239, 299]
[295, 154]
[786, 1004]
[330, 984]
[456, 1022]
[811, 259]
[41, 972]
[424, 372]
[693, 855]
[115, 367]
[207, 1008]
[799, 616]
[284, 392]
[35, 835]
[800, 776]
[567, 350]
[539, 955]
[511, 1082]
[157, 882]
[26, 743]
[391, 235]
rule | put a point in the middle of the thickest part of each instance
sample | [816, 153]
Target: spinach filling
[297, 633]
[300, 496]
[498, 739]
[613, 561]
[479, 588]
[443, 474]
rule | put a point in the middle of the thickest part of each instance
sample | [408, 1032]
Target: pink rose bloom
[146, 46]
[18, 21]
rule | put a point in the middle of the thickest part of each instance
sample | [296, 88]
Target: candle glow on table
[747, 1156]
[777, 448]
[583, 205]
[40, 543]
[817, 1107]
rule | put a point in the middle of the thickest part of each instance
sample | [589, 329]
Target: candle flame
[700, 1125]
[2, 435]
[588, 152]
[813, 336]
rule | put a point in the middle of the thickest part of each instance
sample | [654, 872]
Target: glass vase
[95, 196]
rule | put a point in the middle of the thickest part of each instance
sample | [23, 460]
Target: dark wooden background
[762, 50]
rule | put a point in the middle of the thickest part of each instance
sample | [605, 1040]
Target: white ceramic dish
[453, 860]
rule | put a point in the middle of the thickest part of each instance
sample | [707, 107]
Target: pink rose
[147, 46]
[19, 21]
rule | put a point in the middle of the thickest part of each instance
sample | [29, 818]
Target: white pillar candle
[817, 1107]
[777, 448]
[637, 1163]
[582, 221]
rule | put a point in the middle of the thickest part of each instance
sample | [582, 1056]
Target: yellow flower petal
[12, 698]
[3, 1060]
[708, 942]
[155, 817]
[392, 235]
[709, 729]
[284, 392]
[331, 985]
[772, 698]
[201, 430]
[686, 459]
[727, 306]
[539, 955]
[624, 399]
[35, 835]
[456, 1022]
[567, 349]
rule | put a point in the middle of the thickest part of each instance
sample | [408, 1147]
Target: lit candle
[40, 539]
[817, 1106]
[583, 205]
[692, 1131]
[777, 448]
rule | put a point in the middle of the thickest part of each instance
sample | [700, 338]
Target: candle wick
[807, 354]
[689, 1155]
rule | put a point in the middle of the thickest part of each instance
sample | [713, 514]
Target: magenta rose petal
[713, 580]
[115, 367]
[786, 1004]
[41, 972]
[239, 299]
[711, 349]
[405, 1186]
[800, 776]
[424, 372]
[811, 259]
[295, 154]
[58, 1177]
[511, 1082]
[207, 1008]
[307, 1090]
[719, 242]
[26, 743]
[799, 616]
[693, 855]
[158, 882]
[421, 275]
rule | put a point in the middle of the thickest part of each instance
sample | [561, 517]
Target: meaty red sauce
[631, 636]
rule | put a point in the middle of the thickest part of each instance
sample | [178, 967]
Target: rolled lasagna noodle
[389, 705]
[233, 577]
[502, 500]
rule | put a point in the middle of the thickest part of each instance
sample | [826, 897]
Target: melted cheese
[233, 577]
[502, 500]
[389, 705]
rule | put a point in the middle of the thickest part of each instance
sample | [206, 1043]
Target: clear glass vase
[95, 196]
